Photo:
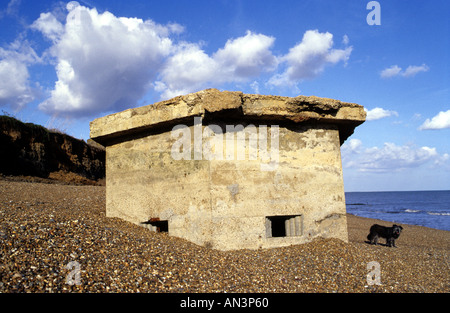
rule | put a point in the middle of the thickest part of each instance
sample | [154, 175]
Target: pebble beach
[55, 238]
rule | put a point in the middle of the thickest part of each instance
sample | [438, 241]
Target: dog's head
[396, 230]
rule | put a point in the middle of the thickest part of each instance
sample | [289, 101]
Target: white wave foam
[439, 213]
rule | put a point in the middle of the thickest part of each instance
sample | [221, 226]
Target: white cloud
[354, 144]
[104, 62]
[49, 26]
[108, 63]
[410, 71]
[394, 70]
[390, 157]
[255, 87]
[378, 113]
[440, 121]
[190, 68]
[246, 56]
[15, 87]
[345, 40]
[11, 9]
[309, 58]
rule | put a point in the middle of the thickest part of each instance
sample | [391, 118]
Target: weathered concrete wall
[229, 202]
[224, 203]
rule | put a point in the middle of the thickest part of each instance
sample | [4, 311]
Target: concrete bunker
[230, 170]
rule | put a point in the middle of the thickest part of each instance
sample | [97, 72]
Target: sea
[424, 208]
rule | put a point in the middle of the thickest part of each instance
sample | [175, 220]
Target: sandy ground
[56, 238]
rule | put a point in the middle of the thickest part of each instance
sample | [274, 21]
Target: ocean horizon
[429, 208]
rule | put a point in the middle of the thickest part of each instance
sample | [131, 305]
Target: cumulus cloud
[191, 68]
[410, 71]
[309, 58]
[15, 87]
[104, 62]
[188, 69]
[440, 121]
[378, 113]
[108, 63]
[49, 25]
[390, 157]
[246, 56]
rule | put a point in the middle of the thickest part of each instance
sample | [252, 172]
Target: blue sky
[63, 64]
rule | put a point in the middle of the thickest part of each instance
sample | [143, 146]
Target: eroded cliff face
[31, 150]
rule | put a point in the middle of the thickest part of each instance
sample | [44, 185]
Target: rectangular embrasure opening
[283, 226]
[156, 225]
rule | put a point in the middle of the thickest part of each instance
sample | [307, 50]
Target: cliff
[31, 150]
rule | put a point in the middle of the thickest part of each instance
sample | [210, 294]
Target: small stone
[17, 276]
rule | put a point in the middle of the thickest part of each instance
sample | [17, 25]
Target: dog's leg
[391, 242]
[375, 239]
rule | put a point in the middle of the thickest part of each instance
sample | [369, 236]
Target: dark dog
[390, 233]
